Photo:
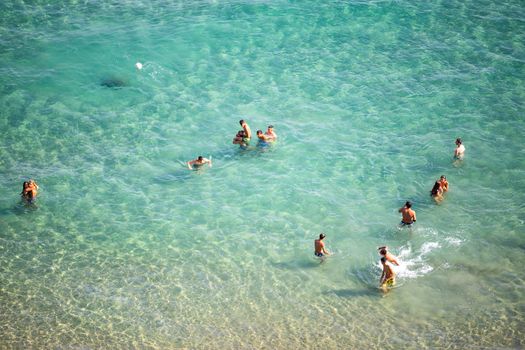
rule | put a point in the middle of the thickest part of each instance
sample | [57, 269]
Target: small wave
[428, 247]
[454, 241]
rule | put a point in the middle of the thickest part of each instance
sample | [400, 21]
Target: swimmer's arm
[414, 217]
[400, 209]
[190, 163]
[325, 251]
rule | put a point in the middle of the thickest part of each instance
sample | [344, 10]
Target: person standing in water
[408, 215]
[459, 152]
[388, 277]
[272, 136]
[30, 190]
[199, 162]
[444, 183]
[319, 248]
[383, 251]
[263, 139]
[247, 130]
[241, 139]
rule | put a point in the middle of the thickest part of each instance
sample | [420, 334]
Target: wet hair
[458, 140]
[240, 133]
[270, 126]
[199, 158]
[408, 204]
[435, 189]
[382, 251]
[259, 132]
[383, 260]
[443, 177]
[241, 121]
[321, 236]
[24, 185]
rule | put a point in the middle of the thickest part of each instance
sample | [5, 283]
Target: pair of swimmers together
[388, 276]
[29, 190]
[440, 187]
[244, 136]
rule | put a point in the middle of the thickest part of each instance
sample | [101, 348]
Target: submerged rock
[114, 83]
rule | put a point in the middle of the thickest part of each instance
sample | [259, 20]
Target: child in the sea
[388, 277]
[240, 138]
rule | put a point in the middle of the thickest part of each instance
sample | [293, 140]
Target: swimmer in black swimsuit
[319, 248]
[409, 215]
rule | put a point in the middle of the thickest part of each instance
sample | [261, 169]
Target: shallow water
[125, 248]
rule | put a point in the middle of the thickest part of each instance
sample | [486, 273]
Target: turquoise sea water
[125, 248]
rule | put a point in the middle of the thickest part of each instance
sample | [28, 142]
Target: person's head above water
[259, 132]
[383, 260]
[321, 236]
[199, 158]
[382, 251]
[408, 204]
[270, 126]
[241, 121]
[458, 141]
[443, 177]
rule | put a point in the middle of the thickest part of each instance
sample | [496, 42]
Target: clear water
[127, 249]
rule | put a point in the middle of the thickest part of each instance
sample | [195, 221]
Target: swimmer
[30, 190]
[197, 163]
[246, 128]
[241, 139]
[262, 137]
[383, 251]
[437, 192]
[388, 277]
[319, 248]
[409, 215]
[444, 183]
[459, 152]
[270, 133]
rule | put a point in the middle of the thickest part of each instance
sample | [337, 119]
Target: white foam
[454, 241]
[413, 265]
[428, 247]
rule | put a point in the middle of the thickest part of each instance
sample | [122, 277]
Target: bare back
[409, 216]
[247, 130]
[319, 246]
